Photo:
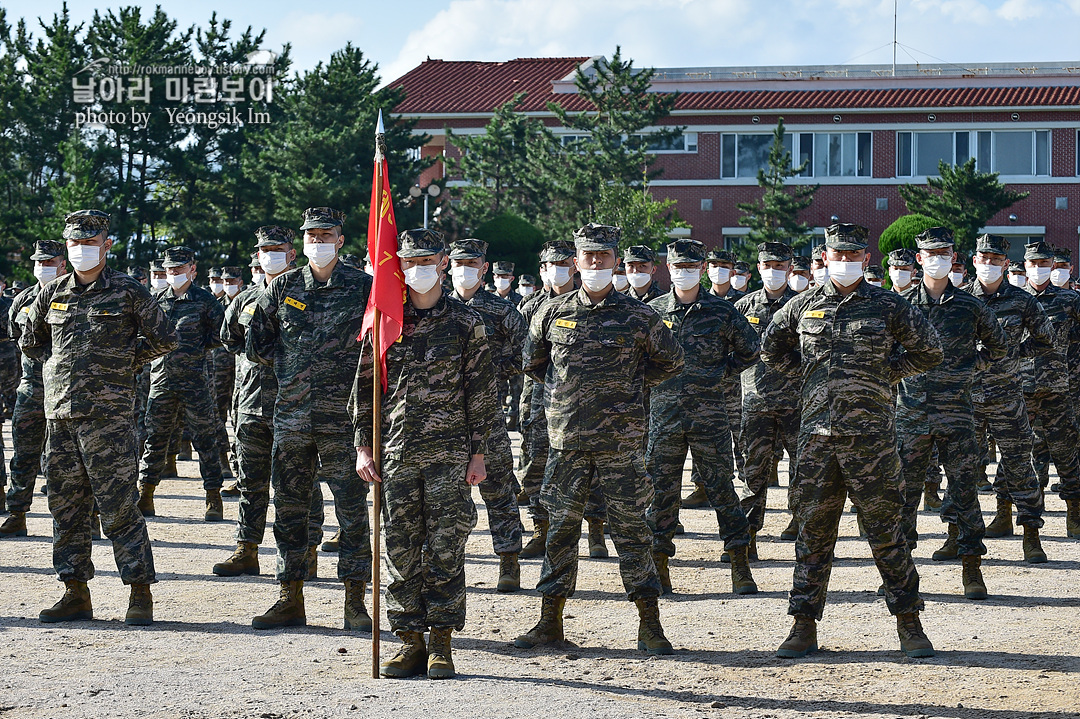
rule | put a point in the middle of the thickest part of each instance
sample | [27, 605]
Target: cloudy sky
[399, 34]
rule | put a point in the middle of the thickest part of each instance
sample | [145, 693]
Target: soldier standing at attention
[306, 326]
[503, 279]
[686, 412]
[799, 279]
[901, 269]
[598, 350]
[180, 391]
[840, 337]
[439, 413]
[503, 274]
[640, 262]
[93, 329]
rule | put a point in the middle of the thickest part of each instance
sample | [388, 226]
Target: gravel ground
[1014, 656]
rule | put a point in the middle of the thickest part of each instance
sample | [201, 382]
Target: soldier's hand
[365, 465]
[476, 472]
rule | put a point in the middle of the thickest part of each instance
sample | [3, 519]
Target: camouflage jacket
[1051, 370]
[506, 331]
[938, 401]
[650, 294]
[223, 363]
[1029, 334]
[529, 307]
[99, 335]
[763, 388]
[196, 315]
[596, 362]
[308, 332]
[256, 386]
[514, 297]
[717, 343]
[733, 295]
[843, 347]
[31, 368]
[442, 401]
[9, 363]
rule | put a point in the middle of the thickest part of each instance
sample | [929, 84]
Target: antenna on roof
[894, 38]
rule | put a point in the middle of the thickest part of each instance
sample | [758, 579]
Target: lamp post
[428, 192]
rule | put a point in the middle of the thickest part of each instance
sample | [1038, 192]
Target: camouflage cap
[352, 260]
[556, 251]
[719, 255]
[901, 257]
[156, 264]
[255, 261]
[685, 251]
[269, 235]
[815, 252]
[84, 224]
[177, 257]
[137, 272]
[961, 258]
[800, 262]
[992, 243]
[47, 250]
[639, 253]
[503, 268]
[214, 272]
[935, 238]
[420, 243]
[469, 249]
[773, 252]
[231, 272]
[527, 280]
[322, 218]
[846, 237]
[741, 266]
[1038, 250]
[873, 272]
[1017, 266]
[1062, 254]
[597, 238]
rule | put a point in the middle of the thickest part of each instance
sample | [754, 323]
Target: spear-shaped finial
[380, 139]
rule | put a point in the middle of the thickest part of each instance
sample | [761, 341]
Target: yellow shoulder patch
[295, 303]
[816, 314]
[669, 323]
[754, 320]
[26, 310]
[58, 306]
[568, 324]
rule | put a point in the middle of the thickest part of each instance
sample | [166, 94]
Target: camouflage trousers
[869, 469]
[1053, 421]
[293, 475]
[734, 445]
[960, 457]
[1006, 420]
[142, 394]
[428, 513]
[27, 441]
[165, 414]
[764, 433]
[255, 448]
[500, 500]
[88, 460]
[669, 441]
[223, 391]
[628, 493]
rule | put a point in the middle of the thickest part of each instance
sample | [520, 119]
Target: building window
[680, 142]
[1023, 152]
[826, 154]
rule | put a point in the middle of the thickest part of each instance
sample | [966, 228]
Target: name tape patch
[295, 303]
[250, 309]
[669, 323]
[568, 324]
[58, 306]
[754, 320]
[816, 314]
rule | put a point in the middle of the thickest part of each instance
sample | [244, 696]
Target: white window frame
[973, 150]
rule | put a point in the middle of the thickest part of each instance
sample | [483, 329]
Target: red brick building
[864, 131]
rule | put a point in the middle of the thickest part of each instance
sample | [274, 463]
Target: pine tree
[644, 221]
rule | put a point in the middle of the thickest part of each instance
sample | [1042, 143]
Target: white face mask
[845, 274]
[421, 278]
[273, 263]
[320, 253]
[465, 277]
[544, 280]
[232, 290]
[739, 281]
[158, 283]
[502, 284]
[258, 278]
[875, 283]
[177, 281]
[84, 257]
[1059, 276]
[957, 278]
[45, 273]
[595, 280]
[1038, 275]
[988, 274]
[900, 278]
[936, 267]
[820, 275]
[685, 278]
[558, 276]
[638, 279]
[525, 290]
[798, 283]
[1017, 279]
[217, 287]
[719, 275]
[620, 282]
[773, 279]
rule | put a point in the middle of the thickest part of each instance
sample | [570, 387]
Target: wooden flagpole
[376, 418]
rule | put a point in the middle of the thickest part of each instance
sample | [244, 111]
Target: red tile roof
[451, 87]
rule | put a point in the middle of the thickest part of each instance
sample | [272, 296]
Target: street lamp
[430, 191]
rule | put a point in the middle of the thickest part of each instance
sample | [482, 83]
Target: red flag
[388, 285]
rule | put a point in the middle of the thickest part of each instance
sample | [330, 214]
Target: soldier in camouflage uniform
[28, 418]
[505, 330]
[306, 326]
[770, 409]
[1046, 380]
[819, 271]
[901, 269]
[93, 329]
[179, 388]
[740, 281]
[503, 274]
[686, 412]
[440, 413]
[640, 263]
[526, 287]
[874, 276]
[9, 378]
[840, 337]
[997, 399]
[598, 351]
[935, 407]
[1017, 274]
[224, 364]
[799, 279]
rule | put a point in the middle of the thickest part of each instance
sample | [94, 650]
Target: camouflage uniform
[9, 377]
[641, 253]
[843, 348]
[307, 331]
[92, 339]
[440, 408]
[687, 411]
[179, 387]
[224, 376]
[935, 407]
[597, 360]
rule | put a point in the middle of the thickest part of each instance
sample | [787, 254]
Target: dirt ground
[1013, 656]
